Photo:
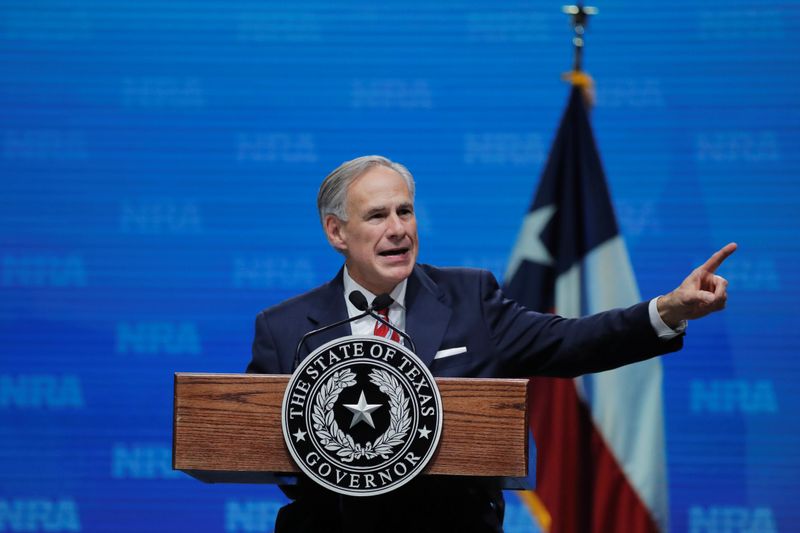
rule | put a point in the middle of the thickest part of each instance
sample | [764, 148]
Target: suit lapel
[328, 308]
[427, 315]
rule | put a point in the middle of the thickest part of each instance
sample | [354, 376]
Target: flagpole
[579, 18]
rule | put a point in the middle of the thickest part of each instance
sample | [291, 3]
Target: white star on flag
[529, 243]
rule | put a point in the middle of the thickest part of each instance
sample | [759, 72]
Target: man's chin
[396, 274]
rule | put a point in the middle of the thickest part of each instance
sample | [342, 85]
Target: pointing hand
[700, 294]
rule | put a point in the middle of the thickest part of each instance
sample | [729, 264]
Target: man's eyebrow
[380, 209]
[376, 210]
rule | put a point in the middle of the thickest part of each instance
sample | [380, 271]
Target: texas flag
[600, 438]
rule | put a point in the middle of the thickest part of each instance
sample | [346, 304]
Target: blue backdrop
[159, 161]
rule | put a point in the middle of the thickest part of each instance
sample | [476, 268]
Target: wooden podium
[227, 428]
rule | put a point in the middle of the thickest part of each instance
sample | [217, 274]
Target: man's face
[379, 238]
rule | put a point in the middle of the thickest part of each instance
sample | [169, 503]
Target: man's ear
[334, 230]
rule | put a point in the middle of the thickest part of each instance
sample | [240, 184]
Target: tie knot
[384, 313]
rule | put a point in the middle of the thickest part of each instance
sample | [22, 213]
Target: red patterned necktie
[382, 330]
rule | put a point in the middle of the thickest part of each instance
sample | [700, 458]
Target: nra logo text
[254, 272]
[36, 391]
[391, 94]
[281, 26]
[158, 337]
[42, 270]
[163, 92]
[161, 217]
[733, 396]
[508, 27]
[44, 145]
[251, 515]
[276, 147]
[142, 461]
[505, 149]
[731, 519]
[738, 146]
[39, 515]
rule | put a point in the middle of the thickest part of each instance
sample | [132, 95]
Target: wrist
[668, 311]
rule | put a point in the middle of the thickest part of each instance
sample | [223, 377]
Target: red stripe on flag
[583, 487]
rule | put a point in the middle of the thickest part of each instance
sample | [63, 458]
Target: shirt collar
[398, 294]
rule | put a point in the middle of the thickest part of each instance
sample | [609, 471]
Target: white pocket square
[441, 354]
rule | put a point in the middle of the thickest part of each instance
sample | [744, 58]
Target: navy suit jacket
[448, 308]
[454, 307]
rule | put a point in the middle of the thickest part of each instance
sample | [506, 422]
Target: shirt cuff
[663, 331]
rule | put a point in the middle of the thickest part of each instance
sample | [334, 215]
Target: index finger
[721, 255]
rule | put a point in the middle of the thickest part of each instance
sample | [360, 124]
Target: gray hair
[332, 196]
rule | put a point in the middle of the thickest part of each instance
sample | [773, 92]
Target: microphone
[381, 302]
[358, 299]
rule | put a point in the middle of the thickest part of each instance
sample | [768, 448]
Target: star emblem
[299, 435]
[529, 242]
[362, 411]
[424, 432]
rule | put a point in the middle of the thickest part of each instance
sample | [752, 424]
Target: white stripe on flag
[626, 403]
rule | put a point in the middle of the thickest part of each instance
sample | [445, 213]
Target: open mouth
[393, 252]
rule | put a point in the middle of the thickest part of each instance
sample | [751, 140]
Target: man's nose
[395, 226]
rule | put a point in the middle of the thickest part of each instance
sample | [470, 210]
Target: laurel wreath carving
[336, 440]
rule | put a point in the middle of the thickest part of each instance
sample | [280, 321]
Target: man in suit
[462, 326]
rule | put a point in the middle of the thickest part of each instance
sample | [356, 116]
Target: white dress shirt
[366, 325]
[663, 331]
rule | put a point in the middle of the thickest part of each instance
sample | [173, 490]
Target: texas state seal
[362, 415]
